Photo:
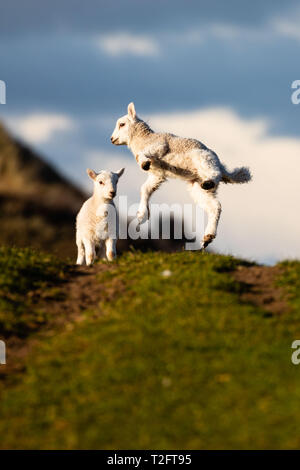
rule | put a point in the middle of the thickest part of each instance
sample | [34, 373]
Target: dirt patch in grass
[65, 305]
[81, 292]
[261, 288]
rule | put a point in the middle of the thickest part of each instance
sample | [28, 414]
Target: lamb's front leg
[157, 150]
[81, 255]
[110, 246]
[90, 252]
[151, 184]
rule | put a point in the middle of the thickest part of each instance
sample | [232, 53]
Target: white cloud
[288, 27]
[39, 128]
[225, 32]
[259, 220]
[116, 44]
[122, 43]
[230, 33]
[275, 27]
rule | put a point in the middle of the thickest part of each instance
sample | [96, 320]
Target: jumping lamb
[97, 220]
[165, 155]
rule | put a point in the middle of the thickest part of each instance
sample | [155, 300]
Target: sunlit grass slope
[171, 360]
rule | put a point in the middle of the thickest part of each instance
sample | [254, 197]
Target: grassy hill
[156, 350]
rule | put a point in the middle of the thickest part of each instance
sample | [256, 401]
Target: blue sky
[71, 67]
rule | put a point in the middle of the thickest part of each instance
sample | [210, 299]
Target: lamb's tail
[238, 175]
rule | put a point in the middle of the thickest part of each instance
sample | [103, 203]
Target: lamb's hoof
[146, 166]
[111, 256]
[141, 220]
[142, 217]
[209, 184]
[207, 240]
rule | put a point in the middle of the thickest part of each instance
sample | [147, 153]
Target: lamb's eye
[122, 124]
[101, 182]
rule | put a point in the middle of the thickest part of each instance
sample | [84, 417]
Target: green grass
[170, 362]
[22, 274]
[290, 280]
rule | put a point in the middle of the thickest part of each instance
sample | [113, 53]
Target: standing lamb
[97, 220]
[166, 155]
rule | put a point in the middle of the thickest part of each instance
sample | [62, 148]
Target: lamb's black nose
[111, 139]
[146, 166]
[112, 193]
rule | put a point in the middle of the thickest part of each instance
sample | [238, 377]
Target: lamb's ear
[92, 174]
[120, 172]
[131, 111]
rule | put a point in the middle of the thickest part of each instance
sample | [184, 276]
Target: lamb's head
[124, 126]
[105, 182]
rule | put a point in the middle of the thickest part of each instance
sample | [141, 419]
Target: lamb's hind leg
[208, 168]
[208, 201]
